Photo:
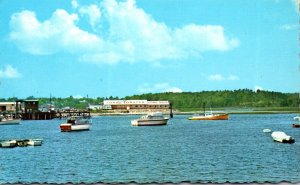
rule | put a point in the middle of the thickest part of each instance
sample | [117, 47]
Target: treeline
[226, 98]
[71, 102]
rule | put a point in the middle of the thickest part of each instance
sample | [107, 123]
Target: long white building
[136, 104]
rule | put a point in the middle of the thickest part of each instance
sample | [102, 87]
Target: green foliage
[236, 98]
[189, 100]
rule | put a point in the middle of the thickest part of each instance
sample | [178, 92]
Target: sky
[102, 48]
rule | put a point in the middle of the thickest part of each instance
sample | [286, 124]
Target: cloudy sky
[119, 48]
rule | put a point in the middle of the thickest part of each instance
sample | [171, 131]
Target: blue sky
[119, 48]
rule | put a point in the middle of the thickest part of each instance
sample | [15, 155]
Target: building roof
[134, 102]
[7, 103]
[27, 100]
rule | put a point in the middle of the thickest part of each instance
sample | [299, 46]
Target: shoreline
[197, 112]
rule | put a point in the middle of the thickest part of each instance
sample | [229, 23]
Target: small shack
[29, 110]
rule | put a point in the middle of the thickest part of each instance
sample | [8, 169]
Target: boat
[267, 130]
[297, 118]
[34, 142]
[9, 121]
[282, 137]
[151, 119]
[296, 125]
[210, 116]
[8, 143]
[76, 123]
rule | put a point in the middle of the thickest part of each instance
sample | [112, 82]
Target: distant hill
[226, 98]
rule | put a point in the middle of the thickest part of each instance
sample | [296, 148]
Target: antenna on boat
[171, 112]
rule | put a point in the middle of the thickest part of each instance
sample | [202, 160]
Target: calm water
[113, 151]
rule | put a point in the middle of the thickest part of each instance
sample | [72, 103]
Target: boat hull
[296, 125]
[8, 144]
[149, 122]
[34, 142]
[10, 122]
[210, 117]
[282, 137]
[65, 127]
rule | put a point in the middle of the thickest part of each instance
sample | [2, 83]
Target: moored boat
[9, 121]
[296, 125]
[76, 123]
[151, 119]
[267, 130]
[8, 143]
[34, 142]
[210, 116]
[297, 118]
[282, 137]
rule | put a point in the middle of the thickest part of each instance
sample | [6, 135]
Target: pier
[29, 110]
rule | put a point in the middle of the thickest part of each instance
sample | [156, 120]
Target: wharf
[38, 115]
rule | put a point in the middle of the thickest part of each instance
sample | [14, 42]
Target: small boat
[151, 119]
[209, 116]
[296, 125]
[282, 137]
[34, 142]
[9, 121]
[8, 143]
[76, 123]
[297, 118]
[267, 130]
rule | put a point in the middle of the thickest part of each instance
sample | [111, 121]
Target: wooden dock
[38, 115]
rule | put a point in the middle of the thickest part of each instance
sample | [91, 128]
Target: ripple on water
[192, 151]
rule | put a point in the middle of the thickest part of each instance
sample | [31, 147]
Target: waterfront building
[136, 104]
[99, 107]
[7, 106]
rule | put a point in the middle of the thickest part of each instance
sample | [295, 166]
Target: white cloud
[219, 77]
[233, 77]
[257, 88]
[289, 26]
[122, 32]
[74, 4]
[57, 34]
[77, 96]
[216, 77]
[93, 13]
[157, 88]
[9, 72]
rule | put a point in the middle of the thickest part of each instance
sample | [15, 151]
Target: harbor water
[113, 151]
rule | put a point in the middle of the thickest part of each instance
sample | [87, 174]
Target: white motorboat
[151, 119]
[76, 123]
[8, 143]
[282, 137]
[9, 121]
